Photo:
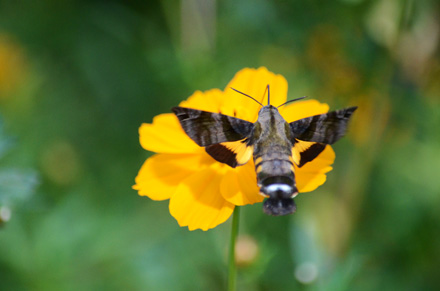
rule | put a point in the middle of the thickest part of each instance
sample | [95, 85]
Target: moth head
[267, 110]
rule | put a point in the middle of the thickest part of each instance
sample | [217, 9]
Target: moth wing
[224, 137]
[324, 128]
[234, 153]
[305, 151]
[208, 128]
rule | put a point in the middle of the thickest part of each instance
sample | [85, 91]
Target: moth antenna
[287, 102]
[268, 94]
[247, 96]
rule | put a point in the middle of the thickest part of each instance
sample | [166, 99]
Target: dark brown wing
[207, 128]
[234, 153]
[305, 151]
[225, 138]
[324, 128]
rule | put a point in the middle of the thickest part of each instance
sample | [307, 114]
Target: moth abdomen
[276, 179]
[280, 191]
[275, 175]
[277, 207]
[273, 167]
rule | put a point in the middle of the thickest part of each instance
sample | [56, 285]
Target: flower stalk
[232, 274]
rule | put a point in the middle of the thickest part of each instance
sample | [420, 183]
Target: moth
[275, 145]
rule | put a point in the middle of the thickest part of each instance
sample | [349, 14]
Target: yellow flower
[202, 191]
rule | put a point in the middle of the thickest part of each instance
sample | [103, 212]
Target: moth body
[273, 161]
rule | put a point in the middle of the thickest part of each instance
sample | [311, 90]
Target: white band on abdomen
[279, 187]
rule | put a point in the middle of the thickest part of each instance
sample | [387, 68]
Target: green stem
[232, 277]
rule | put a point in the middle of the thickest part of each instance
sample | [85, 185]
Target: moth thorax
[279, 187]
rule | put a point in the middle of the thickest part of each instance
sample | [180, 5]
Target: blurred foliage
[16, 185]
[77, 78]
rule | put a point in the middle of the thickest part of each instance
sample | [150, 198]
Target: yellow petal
[302, 109]
[165, 135]
[239, 186]
[160, 175]
[197, 202]
[253, 82]
[313, 174]
[210, 100]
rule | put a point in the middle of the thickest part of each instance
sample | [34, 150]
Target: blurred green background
[77, 78]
